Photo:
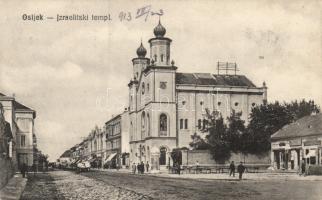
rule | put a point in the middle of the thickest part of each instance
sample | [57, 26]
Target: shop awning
[110, 157]
[91, 160]
[75, 161]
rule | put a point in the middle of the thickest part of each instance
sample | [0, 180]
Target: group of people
[140, 167]
[240, 169]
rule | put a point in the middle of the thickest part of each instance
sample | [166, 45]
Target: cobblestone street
[112, 185]
[69, 185]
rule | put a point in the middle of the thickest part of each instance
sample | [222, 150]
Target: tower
[139, 63]
[160, 47]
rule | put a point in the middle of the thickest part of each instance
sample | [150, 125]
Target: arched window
[163, 124]
[131, 131]
[155, 58]
[143, 88]
[199, 123]
[181, 123]
[143, 125]
[148, 124]
[186, 123]
[161, 57]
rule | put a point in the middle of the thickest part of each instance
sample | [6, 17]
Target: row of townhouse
[105, 147]
[18, 138]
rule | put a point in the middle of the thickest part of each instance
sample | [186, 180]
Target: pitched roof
[20, 106]
[213, 79]
[306, 126]
[2, 94]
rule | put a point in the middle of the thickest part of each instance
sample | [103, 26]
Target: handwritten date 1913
[140, 12]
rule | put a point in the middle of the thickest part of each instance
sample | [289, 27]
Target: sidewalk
[225, 176]
[14, 188]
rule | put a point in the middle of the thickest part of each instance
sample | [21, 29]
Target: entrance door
[162, 159]
[22, 158]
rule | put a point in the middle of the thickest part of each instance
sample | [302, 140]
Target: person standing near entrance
[134, 168]
[303, 167]
[241, 169]
[232, 168]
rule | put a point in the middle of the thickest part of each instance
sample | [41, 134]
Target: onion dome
[159, 31]
[141, 51]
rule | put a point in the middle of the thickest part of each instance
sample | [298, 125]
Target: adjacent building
[25, 134]
[296, 142]
[21, 119]
[117, 140]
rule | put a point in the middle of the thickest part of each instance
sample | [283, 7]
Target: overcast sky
[63, 70]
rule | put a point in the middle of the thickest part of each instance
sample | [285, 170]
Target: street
[111, 185]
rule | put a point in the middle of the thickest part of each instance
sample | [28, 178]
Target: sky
[75, 73]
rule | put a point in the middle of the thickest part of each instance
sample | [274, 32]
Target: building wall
[192, 107]
[25, 123]
[125, 129]
[296, 149]
[190, 157]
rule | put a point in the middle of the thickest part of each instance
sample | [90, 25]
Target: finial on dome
[159, 31]
[141, 51]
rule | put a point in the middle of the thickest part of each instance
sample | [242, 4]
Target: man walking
[23, 170]
[142, 167]
[241, 170]
[232, 169]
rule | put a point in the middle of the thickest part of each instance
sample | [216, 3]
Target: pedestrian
[147, 166]
[23, 170]
[178, 168]
[139, 168]
[241, 169]
[134, 168]
[303, 167]
[197, 166]
[232, 168]
[142, 167]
